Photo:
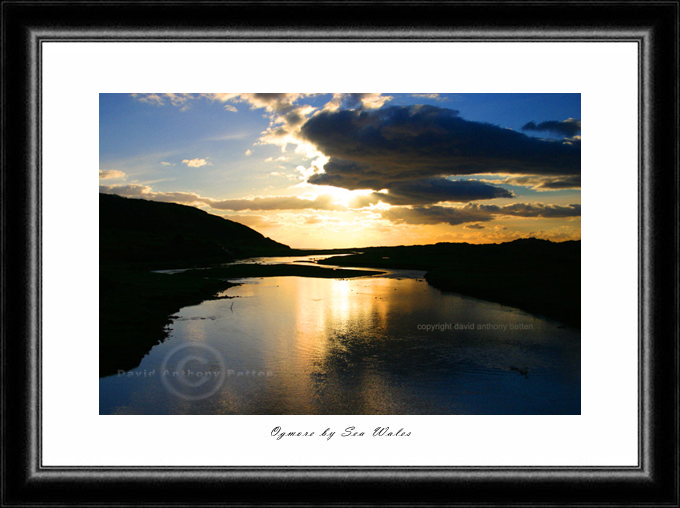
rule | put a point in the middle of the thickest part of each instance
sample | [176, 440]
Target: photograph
[340, 254]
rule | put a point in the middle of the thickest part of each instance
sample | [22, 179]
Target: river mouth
[380, 344]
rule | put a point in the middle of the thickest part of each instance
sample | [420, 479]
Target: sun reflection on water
[354, 346]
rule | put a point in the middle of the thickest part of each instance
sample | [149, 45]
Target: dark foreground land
[137, 236]
[136, 305]
[537, 276]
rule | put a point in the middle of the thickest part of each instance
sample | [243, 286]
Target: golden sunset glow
[354, 170]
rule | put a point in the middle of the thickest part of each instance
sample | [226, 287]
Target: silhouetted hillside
[136, 235]
[164, 235]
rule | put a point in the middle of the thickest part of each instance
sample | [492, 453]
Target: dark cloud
[435, 215]
[353, 100]
[431, 191]
[435, 190]
[533, 210]
[372, 149]
[474, 212]
[568, 128]
[545, 183]
[474, 226]
[293, 118]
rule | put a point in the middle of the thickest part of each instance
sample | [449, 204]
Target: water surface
[389, 344]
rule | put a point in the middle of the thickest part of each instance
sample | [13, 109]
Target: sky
[340, 170]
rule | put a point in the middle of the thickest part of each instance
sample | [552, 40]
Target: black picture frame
[653, 25]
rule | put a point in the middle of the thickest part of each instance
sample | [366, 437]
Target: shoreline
[136, 306]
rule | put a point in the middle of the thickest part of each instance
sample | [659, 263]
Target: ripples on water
[294, 345]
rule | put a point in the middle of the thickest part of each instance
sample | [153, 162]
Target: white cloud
[110, 174]
[320, 202]
[145, 192]
[271, 102]
[432, 96]
[163, 163]
[284, 129]
[284, 116]
[305, 172]
[148, 98]
[180, 100]
[283, 175]
[196, 163]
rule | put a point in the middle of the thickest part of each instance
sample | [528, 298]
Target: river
[385, 344]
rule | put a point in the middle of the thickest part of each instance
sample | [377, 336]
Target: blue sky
[351, 170]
